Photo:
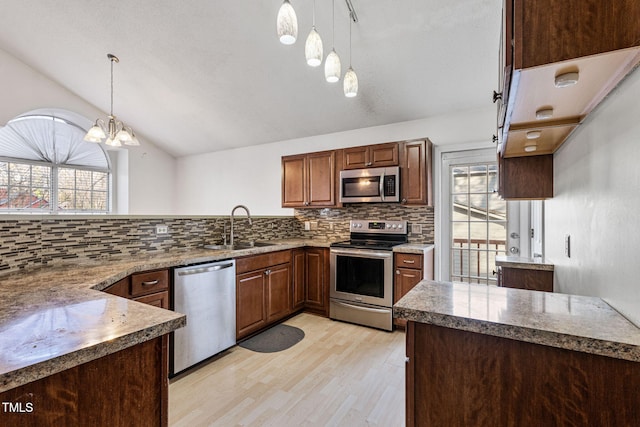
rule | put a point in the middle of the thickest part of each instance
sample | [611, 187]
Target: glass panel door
[478, 223]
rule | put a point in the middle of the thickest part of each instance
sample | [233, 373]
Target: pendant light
[332, 63]
[350, 77]
[313, 46]
[287, 24]
[115, 131]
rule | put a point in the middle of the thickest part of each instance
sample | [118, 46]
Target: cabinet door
[293, 181]
[383, 155]
[354, 158]
[250, 302]
[159, 299]
[528, 177]
[316, 297]
[520, 278]
[322, 179]
[278, 279]
[406, 279]
[416, 173]
[299, 278]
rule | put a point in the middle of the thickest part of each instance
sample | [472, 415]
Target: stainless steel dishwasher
[206, 293]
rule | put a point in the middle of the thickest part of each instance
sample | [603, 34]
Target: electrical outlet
[416, 228]
[162, 229]
[307, 225]
[331, 225]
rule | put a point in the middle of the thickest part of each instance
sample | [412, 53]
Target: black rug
[278, 338]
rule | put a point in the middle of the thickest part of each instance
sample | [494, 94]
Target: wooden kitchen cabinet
[545, 39]
[525, 177]
[311, 280]
[263, 291]
[370, 156]
[409, 271]
[309, 180]
[129, 387]
[150, 287]
[523, 278]
[415, 171]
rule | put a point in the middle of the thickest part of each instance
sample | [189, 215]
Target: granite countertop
[414, 248]
[523, 263]
[579, 323]
[53, 318]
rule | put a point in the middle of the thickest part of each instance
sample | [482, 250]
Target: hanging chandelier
[287, 29]
[114, 131]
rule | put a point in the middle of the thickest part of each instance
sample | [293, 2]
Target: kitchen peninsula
[483, 355]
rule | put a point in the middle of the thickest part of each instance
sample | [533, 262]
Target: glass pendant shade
[313, 48]
[287, 24]
[95, 134]
[332, 67]
[350, 83]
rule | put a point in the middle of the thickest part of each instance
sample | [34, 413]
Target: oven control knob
[388, 225]
[399, 226]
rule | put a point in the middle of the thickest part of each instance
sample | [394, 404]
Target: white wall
[597, 203]
[151, 173]
[211, 184]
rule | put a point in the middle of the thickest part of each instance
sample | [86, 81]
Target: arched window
[47, 167]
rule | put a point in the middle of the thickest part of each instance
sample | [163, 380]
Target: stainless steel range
[362, 273]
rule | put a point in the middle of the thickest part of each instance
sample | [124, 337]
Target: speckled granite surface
[584, 324]
[54, 318]
[523, 263]
[412, 248]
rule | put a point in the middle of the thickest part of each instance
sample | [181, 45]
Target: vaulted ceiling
[198, 76]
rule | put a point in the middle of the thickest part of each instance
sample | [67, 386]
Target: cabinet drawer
[258, 262]
[408, 261]
[149, 282]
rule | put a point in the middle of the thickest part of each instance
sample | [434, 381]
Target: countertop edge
[28, 374]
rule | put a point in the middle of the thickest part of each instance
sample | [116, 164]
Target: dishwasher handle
[204, 269]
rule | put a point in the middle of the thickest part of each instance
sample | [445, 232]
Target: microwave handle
[382, 187]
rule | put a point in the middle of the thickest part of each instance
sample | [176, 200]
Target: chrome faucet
[232, 213]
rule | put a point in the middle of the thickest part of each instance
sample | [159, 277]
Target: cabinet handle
[397, 271]
[267, 272]
[494, 138]
[150, 283]
[408, 261]
[496, 96]
[404, 201]
[368, 164]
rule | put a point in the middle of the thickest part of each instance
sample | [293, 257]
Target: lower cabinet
[409, 271]
[263, 291]
[129, 387]
[311, 280]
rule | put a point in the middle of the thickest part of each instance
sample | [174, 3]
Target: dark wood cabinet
[298, 273]
[598, 42]
[309, 180]
[370, 156]
[263, 291]
[129, 387]
[149, 287]
[409, 272]
[461, 378]
[524, 278]
[528, 177]
[415, 171]
[317, 281]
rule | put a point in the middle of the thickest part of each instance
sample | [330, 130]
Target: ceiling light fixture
[287, 24]
[332, 63]
[544, 113]
[115, 132]
[313, 47]
[567, 79]
[534, 134]
[350, 77]
[531, 147]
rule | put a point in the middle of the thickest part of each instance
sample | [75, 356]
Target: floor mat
[277, 338]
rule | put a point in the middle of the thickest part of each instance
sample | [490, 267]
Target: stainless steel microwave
[370, 185]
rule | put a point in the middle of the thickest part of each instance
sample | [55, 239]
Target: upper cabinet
[415, 172]
[309, 180]
[558, 62]
[370, 156]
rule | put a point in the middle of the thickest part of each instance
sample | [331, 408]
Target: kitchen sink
[238, 246]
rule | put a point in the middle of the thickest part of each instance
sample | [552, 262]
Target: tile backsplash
[26, 243]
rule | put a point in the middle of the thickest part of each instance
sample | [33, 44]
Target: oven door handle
[367, 253]
[361, 308]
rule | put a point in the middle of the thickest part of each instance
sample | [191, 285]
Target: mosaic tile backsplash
[28, 243]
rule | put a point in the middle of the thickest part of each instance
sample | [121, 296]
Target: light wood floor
[338, 375]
